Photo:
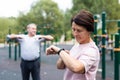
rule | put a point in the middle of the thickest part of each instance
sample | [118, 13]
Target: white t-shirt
[30, 46]
[89, 55]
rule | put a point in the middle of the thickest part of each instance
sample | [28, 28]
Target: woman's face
[80, 33]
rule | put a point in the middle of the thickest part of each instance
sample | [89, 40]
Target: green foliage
[51, 20]
[111, 7]
[6, 24]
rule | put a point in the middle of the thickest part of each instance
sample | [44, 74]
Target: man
[30, 51]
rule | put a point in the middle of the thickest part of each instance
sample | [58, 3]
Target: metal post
[119, 26]
[119, 32]
[103, 45]
[45, 32]
[116, 61]
[111, 51]
[44, 46]
[15, 52]
[9, 45]
[95, 29]
[10, 50]
[19, 46]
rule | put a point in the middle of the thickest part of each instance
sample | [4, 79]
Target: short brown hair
[84, 18]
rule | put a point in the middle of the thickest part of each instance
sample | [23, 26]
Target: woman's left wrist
[62, 49]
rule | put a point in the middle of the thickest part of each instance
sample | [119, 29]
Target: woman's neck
[87, 41]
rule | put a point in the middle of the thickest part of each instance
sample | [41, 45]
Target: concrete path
[10, 69]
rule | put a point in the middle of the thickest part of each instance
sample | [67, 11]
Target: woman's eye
[73, 29]
[78, 31]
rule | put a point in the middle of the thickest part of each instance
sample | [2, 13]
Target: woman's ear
[89, 33]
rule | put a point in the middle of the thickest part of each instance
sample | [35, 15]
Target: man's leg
[25, 70]
[36, 70]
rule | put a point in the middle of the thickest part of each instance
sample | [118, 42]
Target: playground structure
[115, 50]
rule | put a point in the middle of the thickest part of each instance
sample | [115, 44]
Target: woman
[81, 63]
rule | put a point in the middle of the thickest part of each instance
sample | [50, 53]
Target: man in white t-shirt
[30, 51]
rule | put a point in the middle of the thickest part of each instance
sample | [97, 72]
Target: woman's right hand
[52, 50]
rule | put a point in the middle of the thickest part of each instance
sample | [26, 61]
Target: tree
[5, 25]
[67, 25]
[47, 15]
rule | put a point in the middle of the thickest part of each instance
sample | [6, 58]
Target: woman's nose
[75, 33]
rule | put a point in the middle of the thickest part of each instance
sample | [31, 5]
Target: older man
[30, 51]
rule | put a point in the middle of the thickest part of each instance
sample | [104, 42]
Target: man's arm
[47, 37]
[13, 36]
